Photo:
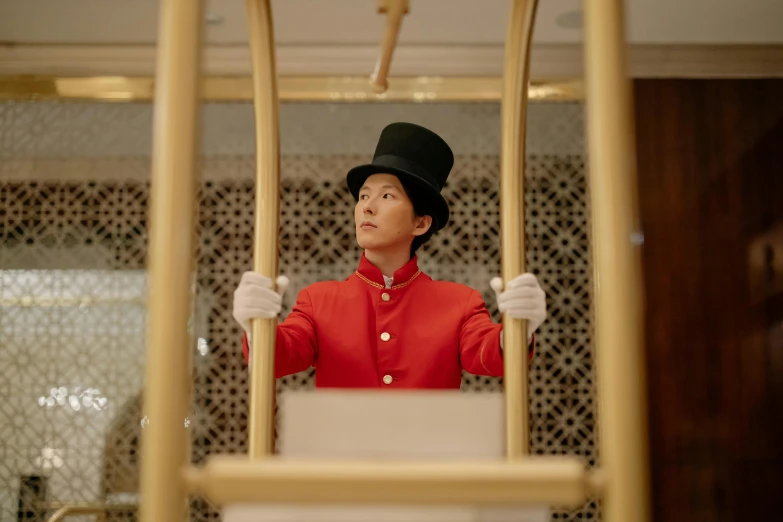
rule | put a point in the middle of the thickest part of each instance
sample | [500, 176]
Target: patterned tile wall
[74, 188]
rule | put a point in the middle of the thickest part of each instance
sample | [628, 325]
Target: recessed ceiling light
[570, 20]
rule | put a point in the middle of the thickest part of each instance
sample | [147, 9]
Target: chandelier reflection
[75, 399]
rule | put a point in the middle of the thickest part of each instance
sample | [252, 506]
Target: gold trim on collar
[394, 287]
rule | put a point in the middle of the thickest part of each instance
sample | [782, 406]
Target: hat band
[412, 167]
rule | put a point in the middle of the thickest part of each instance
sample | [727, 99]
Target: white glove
[523, 298]
[255, 298]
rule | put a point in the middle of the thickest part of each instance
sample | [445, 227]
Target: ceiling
[357, 22]
[669, 38]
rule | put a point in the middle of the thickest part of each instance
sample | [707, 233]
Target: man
[388, 324]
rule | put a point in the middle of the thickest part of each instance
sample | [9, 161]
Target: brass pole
[512, 216]
[265, 254]
[618, 274]
[394, 9]
[165, 446]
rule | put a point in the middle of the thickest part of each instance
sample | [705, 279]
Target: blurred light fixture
[202, 346]
[76, 399]
[49, 459]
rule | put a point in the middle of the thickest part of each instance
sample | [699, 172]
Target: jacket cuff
[246, 348]
[531, 348]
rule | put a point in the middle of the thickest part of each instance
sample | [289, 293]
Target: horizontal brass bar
[350, 89]
[540, 480]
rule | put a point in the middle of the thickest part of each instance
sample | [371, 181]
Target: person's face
[384, 215]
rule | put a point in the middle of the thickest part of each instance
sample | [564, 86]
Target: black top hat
[416, 155]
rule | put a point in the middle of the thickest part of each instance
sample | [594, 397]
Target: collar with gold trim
[371, 275]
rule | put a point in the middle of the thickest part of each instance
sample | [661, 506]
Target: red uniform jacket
[418, 333]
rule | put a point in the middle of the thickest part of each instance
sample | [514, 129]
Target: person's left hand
[523, 298]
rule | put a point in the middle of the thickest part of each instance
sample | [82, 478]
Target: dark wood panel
[710, 156]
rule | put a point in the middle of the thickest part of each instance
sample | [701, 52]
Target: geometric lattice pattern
[73, 237]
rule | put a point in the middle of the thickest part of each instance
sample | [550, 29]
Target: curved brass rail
[512, 216]
[267, 217]
[64, 511]
[70, 511]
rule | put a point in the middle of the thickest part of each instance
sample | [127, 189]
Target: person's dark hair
[421, 207]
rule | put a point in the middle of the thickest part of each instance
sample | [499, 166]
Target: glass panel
[72, 354]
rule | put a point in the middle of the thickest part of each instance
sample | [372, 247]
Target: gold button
[385, 296]
[385, 336]
[387, 379]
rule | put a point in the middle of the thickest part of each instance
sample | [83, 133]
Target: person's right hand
[255, 298]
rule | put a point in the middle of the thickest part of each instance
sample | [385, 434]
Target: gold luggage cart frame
[167, 478]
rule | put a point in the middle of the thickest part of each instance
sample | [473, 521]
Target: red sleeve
[296, 345]
[479, 340]
[480, 352]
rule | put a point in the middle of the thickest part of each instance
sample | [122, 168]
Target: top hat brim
[358, 175]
